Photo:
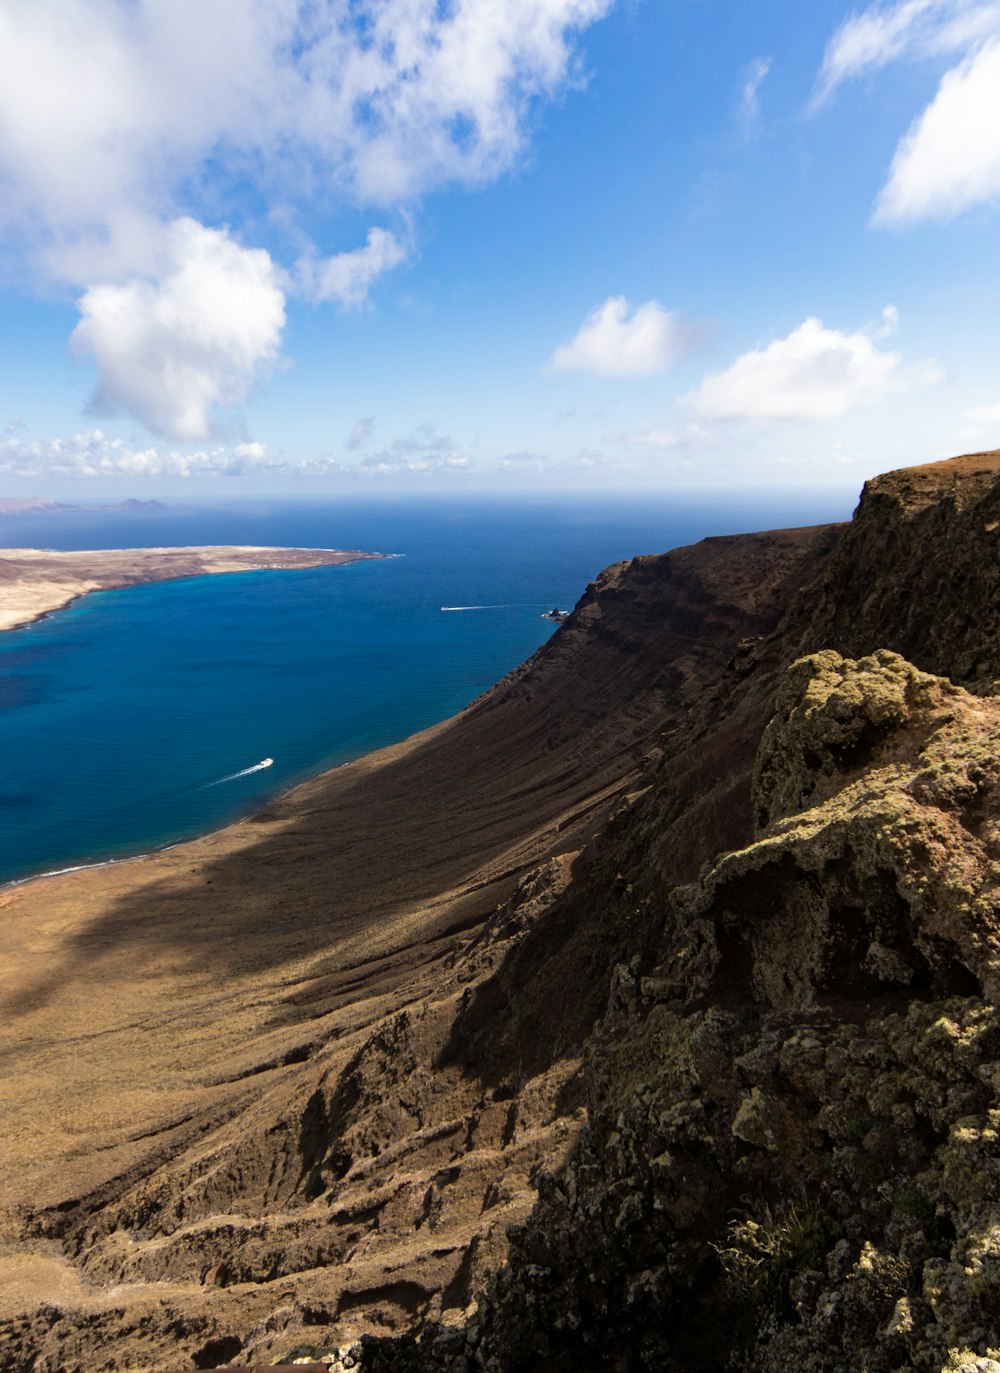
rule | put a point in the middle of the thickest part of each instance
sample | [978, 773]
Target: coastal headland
[642, 1016]
[35, 581]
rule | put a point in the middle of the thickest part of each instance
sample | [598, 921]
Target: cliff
[790, 1157]
[641, 1017]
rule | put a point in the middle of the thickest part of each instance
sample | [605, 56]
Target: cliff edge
[790, 1156]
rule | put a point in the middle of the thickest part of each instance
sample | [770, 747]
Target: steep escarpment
[792, 1096]
[919, 571]
[262, 1123]
[790, 1157]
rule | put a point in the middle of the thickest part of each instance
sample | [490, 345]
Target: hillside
[677, 956]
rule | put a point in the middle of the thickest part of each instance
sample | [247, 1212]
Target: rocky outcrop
[918, 571]
[790, 1160]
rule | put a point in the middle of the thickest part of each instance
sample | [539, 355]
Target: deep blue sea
[121, 715]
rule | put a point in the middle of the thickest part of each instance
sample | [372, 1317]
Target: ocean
[137, 718]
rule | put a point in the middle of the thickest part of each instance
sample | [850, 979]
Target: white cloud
[522, 461]
[108, 107]
[361, 432]
[436, 93]
[950, 158]
[884, 33]
[889, 324]
[616, 342]
[348, 277]
[423, 451]
[392, 466]
[814, 374]
[753, 79]
[660, 439]
[592, 461]
[119, 118]
[93, 453]
[981, 426]
[173, 351]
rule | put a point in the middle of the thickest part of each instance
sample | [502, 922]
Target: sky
[502, 245]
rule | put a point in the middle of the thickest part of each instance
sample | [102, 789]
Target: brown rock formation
[793, 1111]
[792, 1096]
[919, 571]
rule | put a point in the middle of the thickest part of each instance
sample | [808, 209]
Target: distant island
[36, 581]
[40, 505]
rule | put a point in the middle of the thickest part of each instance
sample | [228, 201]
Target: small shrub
[763, 1253]
[910, 1201]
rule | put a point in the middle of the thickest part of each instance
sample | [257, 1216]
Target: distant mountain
[38, 505]
[30, 505]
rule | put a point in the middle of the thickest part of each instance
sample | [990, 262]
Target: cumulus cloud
[120, 119]
[617, 341]
[889, 324]
[103, 104]
[347, 278]
[815, 373]
[175, 351]
[93, 453]
[949, 159]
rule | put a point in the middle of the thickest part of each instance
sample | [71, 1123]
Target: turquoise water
[121, 715]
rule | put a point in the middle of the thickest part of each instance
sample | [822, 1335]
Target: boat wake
[243, 772]
[478, 607]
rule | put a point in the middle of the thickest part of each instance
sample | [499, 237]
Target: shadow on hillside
[380, 855]
[397, 849]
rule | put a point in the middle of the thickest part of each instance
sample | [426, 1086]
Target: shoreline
[154, 850]
[295, 559]
[36, 583]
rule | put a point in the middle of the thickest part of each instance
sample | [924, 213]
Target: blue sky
[513, 245]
